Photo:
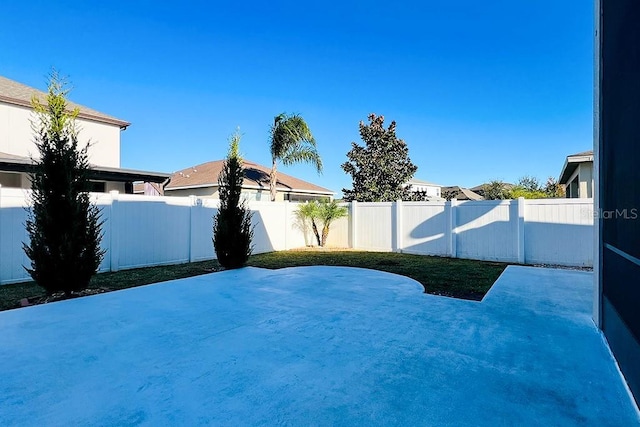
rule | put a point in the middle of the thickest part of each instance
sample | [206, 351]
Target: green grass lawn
[453, 277]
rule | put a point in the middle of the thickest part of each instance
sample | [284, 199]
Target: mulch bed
[59, 296]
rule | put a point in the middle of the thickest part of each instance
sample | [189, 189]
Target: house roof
[13, 163]
[12, 92]
[462, 193]
[256, 176]
[480, 188]
[571, 164]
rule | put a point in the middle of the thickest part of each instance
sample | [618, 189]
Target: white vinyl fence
[142, 231]
[547, 231]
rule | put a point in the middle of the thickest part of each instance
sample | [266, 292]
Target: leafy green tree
[381, 167]
[529, 183]
[553, 189]
[310, 211]
[495, 190]
[232, 230]
[329, 211]
[527, 187]
[291, 142]
[64, 227]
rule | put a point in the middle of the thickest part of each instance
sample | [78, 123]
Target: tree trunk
[325, 233]
[315, 231]
[273, 178]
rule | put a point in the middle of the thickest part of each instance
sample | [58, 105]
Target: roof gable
[12, 92]
[256, 176]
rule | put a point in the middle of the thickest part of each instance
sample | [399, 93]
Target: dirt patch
[60, 296]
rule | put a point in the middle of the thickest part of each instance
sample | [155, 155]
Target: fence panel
[339, 231]
[143, 230]
[424, 228]
[202, 214]
[152, 230]
[487, 230]
[559, 232]
[103, 201]
[374, 226]
[13, 233]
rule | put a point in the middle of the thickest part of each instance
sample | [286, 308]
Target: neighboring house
[433, 191]
[479, 189]
[17, 146]
[459, 193]
[148, 189]
[577, 175]
[202, 181]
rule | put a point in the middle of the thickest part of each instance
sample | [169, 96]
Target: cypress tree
[232, 230]
[63, 225]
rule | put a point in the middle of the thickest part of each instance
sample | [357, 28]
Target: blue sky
[479, 90]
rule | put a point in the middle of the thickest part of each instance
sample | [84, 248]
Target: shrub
[232, 230]
[63, 226]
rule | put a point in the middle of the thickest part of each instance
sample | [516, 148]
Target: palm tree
[310, 211]
[329, 212]
[291, 142]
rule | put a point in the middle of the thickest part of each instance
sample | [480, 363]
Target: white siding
[17, 137]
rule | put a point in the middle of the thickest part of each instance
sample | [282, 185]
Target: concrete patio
[314, 346]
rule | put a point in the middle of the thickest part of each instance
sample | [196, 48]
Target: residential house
[577, 175]
[459, 193]
[432, 191]
[17, 146]
[479, 189]
[202, 181]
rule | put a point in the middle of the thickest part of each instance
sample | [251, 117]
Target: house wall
[210, 192]
[250, 194]
[17, 137]
[10, 180]
[114, 186]
[585, 171]
[431, 190]
[618, 151]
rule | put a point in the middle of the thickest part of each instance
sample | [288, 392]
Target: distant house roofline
[15, 93]
[13, 163]
[571, 164]
[256, 177]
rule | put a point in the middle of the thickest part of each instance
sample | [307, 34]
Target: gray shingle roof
[12, 92]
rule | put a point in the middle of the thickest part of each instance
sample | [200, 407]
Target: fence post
[354, 222]
[451, 228]
[193, 205]
[114, 246]
[396, 217]
[520, 230]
